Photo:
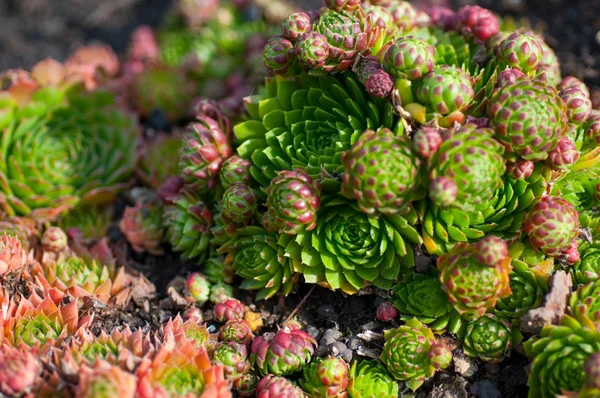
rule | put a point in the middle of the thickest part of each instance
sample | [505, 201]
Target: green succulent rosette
[349, 250]
[502, 215]
[60, 150]
[587, 269]
[584, 304]
[558, 357]
[473, 160]
[579, 188]
[325, 378]
[422, 297]
[528, 289]
[308, 122]
[529, 118]
[370, 379]
[92, 221]
[188, 223]
[411, 354]
[259, 257]
[488, 338]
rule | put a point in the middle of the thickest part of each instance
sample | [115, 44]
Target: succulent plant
[472, 159]
[92, 222]
[217, 270]
[233, 357]
[54, 240]
[229, 310]
[142, 225]
[591, 367]
[503, 214]
[488, 337]
[382, 172]
[180, 370]
[190, 330]
[188, 223]
[220, 292]
[311, 142]
[421, 296]
[325, 378]
[24, 229]
[61, 150]
[409, 58]
[159, 159]
[349, 33]
[259, 259]
[369, 71]
[198, 287]
[370, 379]
[446, 89]
[349, 249]
[282, 353]
[478, 22]
[312, 50]
[412, 354]
[563, 156]
[529, 137]
[584, 304]
[12, 256]
[239, 203]
[404, 15]
[272, 386]
[235, 170]
[18, 370]
[528, 289]
[559, 354]
[520, 50]
[385, 312]
[296, 25]
[280, 56]
[122, 348]
[552, 225]
[473, 287]
[163, 88]
[104, 380]
[578, 104]
[588, 268]
[82, 277]
[39, 322]
[427, 141]
[205, 148]
[246, 385]
[572, 81]
[238, 331]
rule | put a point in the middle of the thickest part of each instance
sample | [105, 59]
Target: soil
[34, 29]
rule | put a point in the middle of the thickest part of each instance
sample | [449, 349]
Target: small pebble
[464, 365]
[313, 331]
[340, 350]
[330, 336]
[354, 343]
[369, 326]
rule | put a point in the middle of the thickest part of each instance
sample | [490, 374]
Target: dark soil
[31, 30]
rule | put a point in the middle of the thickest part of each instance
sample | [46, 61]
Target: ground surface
[31, 30]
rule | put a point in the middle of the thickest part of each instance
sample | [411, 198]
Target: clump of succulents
[326, 378]
[282, 353]
[62, 148]
[371, 379]
[412, 354]
[488, 337]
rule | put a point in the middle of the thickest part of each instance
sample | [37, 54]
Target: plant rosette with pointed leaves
[272, 386]
[325, 378]
[422, 297]
[528, 288]
[282, 353]
[190, 330]
[412, 354]
[559, 354]
[584, 305]
[181, 370]
[489, 338]
[349, 250]
[370, 379]
[473, 287]
[104, 380]
[63, 149]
